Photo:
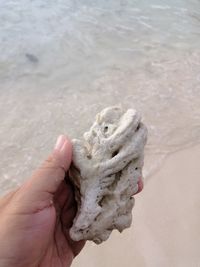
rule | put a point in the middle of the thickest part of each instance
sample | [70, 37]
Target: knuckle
[53, 163]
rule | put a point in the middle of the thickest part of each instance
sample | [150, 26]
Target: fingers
[77, 246]
[64, 197]
[140, 186]
[45, 181]
[68, 214]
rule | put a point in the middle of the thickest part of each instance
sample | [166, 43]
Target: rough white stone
[106, 167]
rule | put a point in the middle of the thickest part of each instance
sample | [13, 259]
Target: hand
[35, 219]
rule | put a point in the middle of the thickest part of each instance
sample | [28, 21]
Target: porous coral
[106, 168]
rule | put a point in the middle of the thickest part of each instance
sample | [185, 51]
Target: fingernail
[63, 151]
[60, 142]
[140, 185]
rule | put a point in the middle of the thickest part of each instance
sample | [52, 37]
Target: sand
[166, 225]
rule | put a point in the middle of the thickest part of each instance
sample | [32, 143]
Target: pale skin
[35, 218]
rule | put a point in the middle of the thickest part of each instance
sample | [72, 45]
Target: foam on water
[62, 62]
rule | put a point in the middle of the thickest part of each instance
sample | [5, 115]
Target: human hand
[36, 218]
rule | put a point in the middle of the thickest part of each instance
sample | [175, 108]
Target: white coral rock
[105, 171]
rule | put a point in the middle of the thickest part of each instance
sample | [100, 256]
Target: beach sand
[166, 221]
[64, 61]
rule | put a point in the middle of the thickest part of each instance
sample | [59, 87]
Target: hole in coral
[115, 181]
[115, 153]
[136, 168]
[105, 129]
[89, 156]
[138, 127]
[101, 201]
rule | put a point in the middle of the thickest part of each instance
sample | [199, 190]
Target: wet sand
[166, 219]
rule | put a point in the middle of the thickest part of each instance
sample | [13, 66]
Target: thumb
[38, 192]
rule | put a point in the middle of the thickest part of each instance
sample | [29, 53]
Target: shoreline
[165, 229]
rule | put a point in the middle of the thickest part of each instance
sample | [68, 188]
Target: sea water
[63, 61]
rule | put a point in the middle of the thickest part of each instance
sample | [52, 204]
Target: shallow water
[62, 62]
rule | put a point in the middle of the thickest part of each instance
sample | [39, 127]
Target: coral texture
[106, 168]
